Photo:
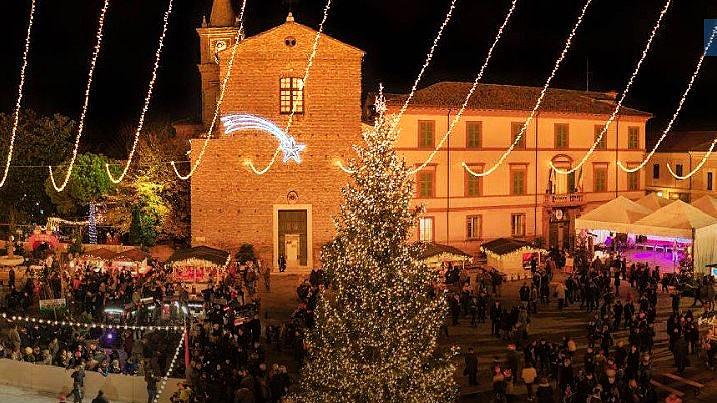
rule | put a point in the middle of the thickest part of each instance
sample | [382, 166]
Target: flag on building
[709, 26]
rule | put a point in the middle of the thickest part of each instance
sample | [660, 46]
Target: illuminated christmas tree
[377, 324]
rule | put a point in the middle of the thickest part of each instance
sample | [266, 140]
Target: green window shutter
[571, 182]
[473, 134]
[426, 129]
[633, 138]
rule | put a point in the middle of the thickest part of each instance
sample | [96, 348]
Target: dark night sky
[394, 33]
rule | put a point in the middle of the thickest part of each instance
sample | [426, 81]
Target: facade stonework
[230, 204]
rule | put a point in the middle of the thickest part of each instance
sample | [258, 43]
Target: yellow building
[523, 198]
[683, 151]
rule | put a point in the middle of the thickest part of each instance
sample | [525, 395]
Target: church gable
[293, 40]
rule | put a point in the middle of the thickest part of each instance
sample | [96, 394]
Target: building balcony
[564, 200]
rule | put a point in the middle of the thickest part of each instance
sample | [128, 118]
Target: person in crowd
[282, 263]
[528, 375]
[100, 398]
[471, 370]
[151, 380]
[78, 383]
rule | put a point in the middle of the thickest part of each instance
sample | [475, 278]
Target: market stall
[100, 258]
[436, 255]
[39, 238]
[135, 259]
[200, 264]
[511, 256]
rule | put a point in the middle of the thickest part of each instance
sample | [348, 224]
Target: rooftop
[451, 94]
[682, 142]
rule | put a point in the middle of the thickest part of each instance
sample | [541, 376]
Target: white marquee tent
[707, 204]
[615, 216]
[653, 201]
[681, 220]
[675, 220]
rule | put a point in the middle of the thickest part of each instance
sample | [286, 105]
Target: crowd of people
[230, 341]
[227, 360]
[616, 365]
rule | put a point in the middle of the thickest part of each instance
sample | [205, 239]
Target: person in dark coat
[680, 354]
[151, 380]
[495, 313]
[11, 278]
[471, 369]
[100, 398]
[544, 393]
[513, 359]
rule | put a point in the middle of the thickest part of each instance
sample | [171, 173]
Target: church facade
[288, 210]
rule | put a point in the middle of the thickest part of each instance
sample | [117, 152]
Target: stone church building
[287, 211]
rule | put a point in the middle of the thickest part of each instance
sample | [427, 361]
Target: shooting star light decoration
[240, 122]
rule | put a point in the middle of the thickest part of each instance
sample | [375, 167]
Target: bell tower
[215, 36]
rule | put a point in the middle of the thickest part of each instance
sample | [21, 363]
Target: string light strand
[81, 125]
[523, 129]
[20, 92]
[618, 106]
[698, 167]
[698, 68]
[217, 108]
[309, 64]
[147, 98]
[64, 323]
[429, 57]
[470, 93]
[166, 376]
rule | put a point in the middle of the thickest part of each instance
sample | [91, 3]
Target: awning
[214, 256]
[100, 253]
[506, 246]
[442, 253]
[132, 255]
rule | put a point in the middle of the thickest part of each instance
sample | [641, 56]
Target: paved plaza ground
[11, 394]
[549, 323]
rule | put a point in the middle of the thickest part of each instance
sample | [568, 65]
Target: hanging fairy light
[217, 108]
[147, 99]
[20, 88]
[429, 57]
[69, 323]
[92, 224]
[698, 68]
[455, 120]
[523, 129]
[172, 363]
[470, 93]
[618, 106]
[699, 165]
[81, 125]
[302, 84]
